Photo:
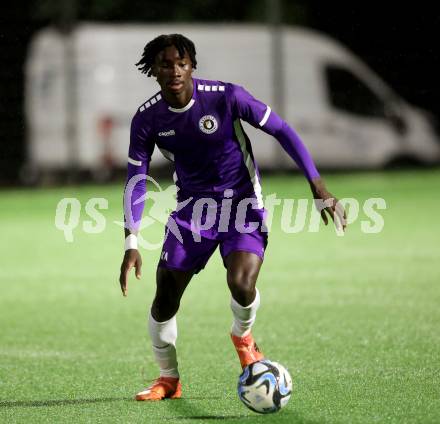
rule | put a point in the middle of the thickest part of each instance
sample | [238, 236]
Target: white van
[345, 114]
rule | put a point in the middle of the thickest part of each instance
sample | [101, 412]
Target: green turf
[356, 319]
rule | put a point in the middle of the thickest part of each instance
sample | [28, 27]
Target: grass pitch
[355, 319]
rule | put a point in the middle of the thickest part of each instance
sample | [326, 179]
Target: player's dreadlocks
[155, 46]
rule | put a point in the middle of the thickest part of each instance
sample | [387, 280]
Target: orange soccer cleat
[247, 350]
[162, 388]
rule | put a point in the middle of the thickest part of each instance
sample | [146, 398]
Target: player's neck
[179, 100]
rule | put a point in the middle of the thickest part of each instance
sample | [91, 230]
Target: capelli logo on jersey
[167, 133]
[208, 124]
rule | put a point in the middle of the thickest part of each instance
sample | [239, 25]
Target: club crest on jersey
[208, 124]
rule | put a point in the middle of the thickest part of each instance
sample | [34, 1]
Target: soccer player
[196, 124]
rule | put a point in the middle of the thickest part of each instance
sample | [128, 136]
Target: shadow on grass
[186, 411]
[183, 409]
[63, 402]
[54, 402]
[208, 417]
[283, 417]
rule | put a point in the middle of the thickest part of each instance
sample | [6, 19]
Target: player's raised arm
[259, 115]
[139, 155]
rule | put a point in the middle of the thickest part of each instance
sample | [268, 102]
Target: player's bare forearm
[319, 189]
[317, 186]
[331, 206]
[132, 259]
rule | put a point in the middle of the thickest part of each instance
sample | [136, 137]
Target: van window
[347, 92]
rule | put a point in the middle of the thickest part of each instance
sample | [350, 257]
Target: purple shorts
[195, 249]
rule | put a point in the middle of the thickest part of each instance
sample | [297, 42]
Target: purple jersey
[207, 143]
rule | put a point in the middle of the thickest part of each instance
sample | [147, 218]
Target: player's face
[173, 73]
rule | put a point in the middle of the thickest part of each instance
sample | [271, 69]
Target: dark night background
[399, 43]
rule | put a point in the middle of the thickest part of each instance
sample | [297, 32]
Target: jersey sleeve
[246, 107]
[139, 156]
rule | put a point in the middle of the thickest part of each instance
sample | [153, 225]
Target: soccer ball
[265, 386]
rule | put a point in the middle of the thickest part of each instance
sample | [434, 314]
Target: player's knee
[242, 286]
[164, 307]
[167, 300]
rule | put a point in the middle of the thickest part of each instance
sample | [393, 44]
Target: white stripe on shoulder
[134, 162]
[150, 102]
[265, 117]
[204, 87]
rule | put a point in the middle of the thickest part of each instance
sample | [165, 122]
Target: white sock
[244, 316]
[163, 337]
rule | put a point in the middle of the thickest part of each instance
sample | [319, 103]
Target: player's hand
[332, 206]
[132, 258]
